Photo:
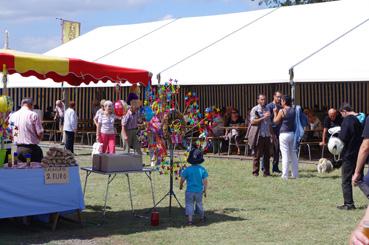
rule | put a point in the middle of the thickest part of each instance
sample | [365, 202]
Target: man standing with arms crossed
[260, 116]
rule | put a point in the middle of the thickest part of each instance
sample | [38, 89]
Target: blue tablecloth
[23, 192]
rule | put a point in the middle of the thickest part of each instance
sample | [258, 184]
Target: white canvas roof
[347, 59]
[249, 47]
[264, 51]
[90, 47]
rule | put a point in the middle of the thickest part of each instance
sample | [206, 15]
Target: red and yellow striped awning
[72, 71]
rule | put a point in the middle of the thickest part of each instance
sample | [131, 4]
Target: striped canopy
[72, 71]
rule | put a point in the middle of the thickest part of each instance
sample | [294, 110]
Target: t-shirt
[194, 175]
[270, 107]
[98, 113]
[328, 123]
[366, 129]
[107, 123]
[351, 131]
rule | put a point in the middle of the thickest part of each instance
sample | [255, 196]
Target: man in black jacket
[351, 130]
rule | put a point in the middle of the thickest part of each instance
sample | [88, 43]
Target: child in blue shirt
[196, 178]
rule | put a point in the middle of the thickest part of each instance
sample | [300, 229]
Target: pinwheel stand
[171, 194]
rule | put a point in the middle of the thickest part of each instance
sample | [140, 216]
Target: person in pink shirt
[105, 128]
[28, 131]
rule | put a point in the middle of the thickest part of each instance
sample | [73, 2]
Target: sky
[33, 25]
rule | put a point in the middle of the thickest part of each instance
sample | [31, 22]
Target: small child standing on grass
[197, 182]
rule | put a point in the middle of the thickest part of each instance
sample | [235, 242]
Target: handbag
[96, 148]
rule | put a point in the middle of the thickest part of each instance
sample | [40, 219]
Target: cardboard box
[96, 162]
[120, 162]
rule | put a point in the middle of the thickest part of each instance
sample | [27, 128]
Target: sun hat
[195, 156]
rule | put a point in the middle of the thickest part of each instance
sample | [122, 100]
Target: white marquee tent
[249, 47]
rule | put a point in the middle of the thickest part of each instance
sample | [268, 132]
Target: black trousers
[262, 150]
[348, 170]
[276, 149]
[34, 150]
[69, 144]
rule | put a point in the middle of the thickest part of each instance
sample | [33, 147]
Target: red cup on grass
[155, 218]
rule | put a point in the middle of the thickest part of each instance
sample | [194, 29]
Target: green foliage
[278, 3]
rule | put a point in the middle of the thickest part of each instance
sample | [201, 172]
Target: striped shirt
[107, 123]
[27, 126]
[130, 120]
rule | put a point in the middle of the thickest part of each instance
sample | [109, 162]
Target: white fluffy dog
[324, 166]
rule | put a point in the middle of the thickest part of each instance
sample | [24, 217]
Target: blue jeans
[364, 184]
[194, 199]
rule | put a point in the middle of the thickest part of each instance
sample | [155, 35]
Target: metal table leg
[107, 190]
[148, 174]
[84, 188]
[130, 194]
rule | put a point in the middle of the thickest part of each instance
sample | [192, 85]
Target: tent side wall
[84, 97]
[332, 94]
[242, 97]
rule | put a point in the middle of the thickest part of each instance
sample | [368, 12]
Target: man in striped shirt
[130, 127]
[28, 131]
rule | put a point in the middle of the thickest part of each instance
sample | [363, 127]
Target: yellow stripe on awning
[41, 64]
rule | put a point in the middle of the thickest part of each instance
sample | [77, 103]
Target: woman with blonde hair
[105, 128]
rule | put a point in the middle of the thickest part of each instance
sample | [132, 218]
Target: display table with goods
[49, 187]
[111, 165]
[54, 184]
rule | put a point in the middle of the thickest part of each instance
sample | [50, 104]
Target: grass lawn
[241, 209]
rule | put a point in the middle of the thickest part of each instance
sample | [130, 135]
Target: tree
[278, 3]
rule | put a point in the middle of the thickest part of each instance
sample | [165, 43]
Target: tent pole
[6, 39]
[293, 85]
[5, 80]
[158, 77]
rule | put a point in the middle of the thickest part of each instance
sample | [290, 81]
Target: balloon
[118, 108]
[6, 104]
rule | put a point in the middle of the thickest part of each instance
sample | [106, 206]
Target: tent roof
[264, 51]
[73, 71]
[249, 47]
[347, 59]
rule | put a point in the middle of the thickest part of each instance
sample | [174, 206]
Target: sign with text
[56, 175]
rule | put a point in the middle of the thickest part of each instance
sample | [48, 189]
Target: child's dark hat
[195, 157]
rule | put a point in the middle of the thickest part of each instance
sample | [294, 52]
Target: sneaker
[346, 207]
[276, 171]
